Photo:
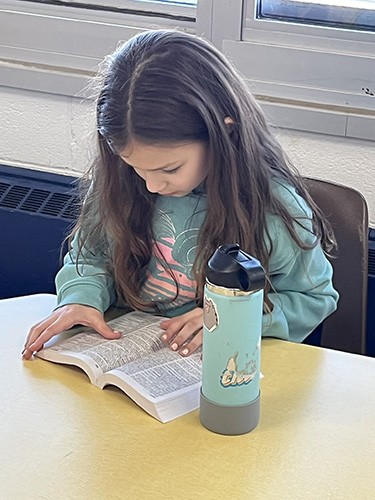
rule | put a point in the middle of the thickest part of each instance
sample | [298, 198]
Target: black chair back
[346, 209]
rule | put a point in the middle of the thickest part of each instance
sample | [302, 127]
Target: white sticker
[210, 315]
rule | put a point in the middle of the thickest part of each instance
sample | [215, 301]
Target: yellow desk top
[63, 438]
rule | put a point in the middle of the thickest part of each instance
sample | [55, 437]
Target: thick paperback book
[161, 381]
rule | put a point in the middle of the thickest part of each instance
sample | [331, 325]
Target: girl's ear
[229, 124]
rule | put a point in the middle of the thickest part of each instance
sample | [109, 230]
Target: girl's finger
[193, 345]
[56, 323]
[189, 329]
[167, 323]
[174, 325]
[45, 336]
[105, 331]
[169, 334]
[37, 329]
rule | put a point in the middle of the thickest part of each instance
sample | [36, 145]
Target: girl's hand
[62, 319]
[180, 329]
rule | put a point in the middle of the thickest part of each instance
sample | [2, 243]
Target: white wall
[52, 133]
[44, 131]
[338, 159]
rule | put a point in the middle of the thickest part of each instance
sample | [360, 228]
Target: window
[161, 7]
[55, 46]
[347, 14]
[310, 63]
[307, 72]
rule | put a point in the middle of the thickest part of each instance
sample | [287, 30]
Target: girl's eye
[171, 171]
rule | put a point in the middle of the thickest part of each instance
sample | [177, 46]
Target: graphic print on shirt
[178, 250]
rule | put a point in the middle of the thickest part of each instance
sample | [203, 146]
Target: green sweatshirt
[302, 295]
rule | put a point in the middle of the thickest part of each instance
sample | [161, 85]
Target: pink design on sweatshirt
[160, 284]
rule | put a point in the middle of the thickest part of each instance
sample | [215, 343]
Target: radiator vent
[37, 212]
[3, 188]
[371, 262]
[38, 201]
[371, 253]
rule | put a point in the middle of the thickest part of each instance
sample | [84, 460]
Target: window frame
[150, 7]
[286, 32]
[65, 44]
[268, 53]
[280, 10]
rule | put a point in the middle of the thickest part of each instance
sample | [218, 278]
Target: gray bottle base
[229, 420]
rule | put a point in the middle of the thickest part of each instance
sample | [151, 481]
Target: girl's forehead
[160, 155]
[138, 147]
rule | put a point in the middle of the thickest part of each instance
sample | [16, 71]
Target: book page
[140, 336]
[162, 374]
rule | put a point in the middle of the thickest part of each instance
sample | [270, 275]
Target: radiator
[370, 347]
[37, 209]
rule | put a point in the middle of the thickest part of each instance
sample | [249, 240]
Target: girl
[187, 162]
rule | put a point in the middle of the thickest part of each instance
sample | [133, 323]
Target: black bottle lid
[232, 268]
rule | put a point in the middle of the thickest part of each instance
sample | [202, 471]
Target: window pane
[147, 5]
[184, 2]
[174, 2]
[348, 14]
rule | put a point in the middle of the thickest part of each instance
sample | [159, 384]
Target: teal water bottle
[232, 328]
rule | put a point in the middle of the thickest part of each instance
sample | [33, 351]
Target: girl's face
[168, 169]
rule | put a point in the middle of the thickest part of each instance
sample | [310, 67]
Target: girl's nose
[155, 185]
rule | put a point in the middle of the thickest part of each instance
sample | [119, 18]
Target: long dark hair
[170, 87]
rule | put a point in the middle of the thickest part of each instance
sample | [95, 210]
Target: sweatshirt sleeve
[90, 285]
[303, 294]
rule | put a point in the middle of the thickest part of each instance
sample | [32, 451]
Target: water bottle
[232, 328]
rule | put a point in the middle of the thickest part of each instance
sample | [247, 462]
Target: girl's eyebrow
[155, 169]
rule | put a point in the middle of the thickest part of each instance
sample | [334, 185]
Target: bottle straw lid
[230, 267]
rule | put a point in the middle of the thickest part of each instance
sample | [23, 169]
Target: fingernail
[185, 352]
[164, 337]
[174, 347]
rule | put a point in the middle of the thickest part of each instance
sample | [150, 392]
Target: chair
[346, 210]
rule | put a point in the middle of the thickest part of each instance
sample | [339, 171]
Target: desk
[62, 438]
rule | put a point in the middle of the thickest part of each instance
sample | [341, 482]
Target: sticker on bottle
[232, 376]
[210, 315]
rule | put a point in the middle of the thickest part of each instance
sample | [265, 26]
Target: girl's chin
[176, 193]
